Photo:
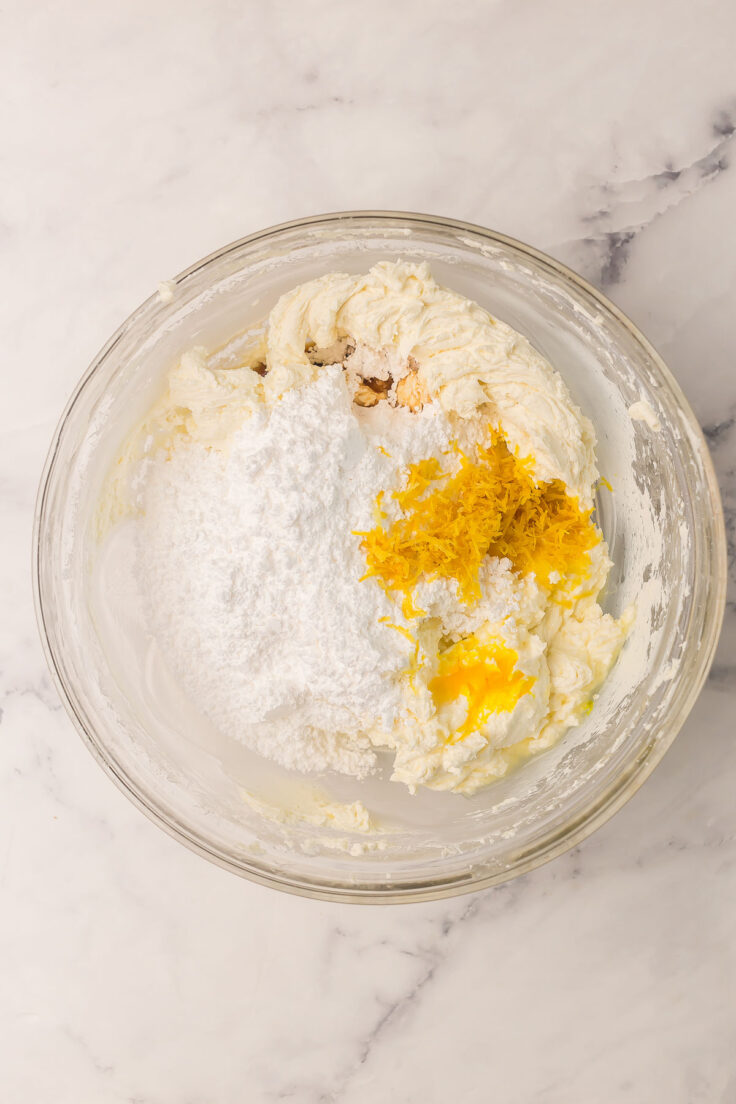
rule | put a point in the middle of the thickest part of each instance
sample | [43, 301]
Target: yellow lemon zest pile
[485, 675]
[490, 506]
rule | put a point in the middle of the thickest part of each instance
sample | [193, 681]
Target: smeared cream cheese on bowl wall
[374, 533]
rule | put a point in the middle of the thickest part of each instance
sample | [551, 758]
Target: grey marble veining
[138, 137]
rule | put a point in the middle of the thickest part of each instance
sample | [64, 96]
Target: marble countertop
[138, 137]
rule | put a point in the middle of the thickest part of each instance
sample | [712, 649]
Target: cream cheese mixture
[374, 534]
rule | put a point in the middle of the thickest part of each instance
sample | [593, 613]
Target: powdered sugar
[385, 363]
[251, 571]
[500, 598]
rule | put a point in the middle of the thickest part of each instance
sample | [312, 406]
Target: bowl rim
[558, 841]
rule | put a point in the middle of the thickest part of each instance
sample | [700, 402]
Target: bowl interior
[661, 520]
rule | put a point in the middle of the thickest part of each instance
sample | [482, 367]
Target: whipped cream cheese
[467, 359]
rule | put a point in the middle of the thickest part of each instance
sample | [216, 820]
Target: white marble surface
[137, 137]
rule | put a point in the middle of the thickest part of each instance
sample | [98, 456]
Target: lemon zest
[490, 506]
[398, 628]
[378, 511]
[415, 666]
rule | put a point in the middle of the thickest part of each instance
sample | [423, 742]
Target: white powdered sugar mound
[251, 573]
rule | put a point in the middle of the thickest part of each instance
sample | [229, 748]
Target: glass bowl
[663, 523]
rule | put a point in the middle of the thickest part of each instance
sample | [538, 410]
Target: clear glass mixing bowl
[663, 523]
